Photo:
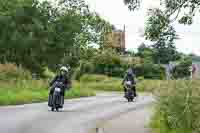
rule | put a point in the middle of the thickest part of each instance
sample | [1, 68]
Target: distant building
[196, 67]
[116, 39]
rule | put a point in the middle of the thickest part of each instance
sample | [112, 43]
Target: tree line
[37, 34]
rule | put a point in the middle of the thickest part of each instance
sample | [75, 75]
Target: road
[78, 116]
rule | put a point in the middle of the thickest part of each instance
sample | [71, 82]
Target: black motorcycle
[56, 99]
[129, 94]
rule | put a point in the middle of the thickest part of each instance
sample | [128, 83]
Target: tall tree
[38, 34]
[184, 10]
[160, 31]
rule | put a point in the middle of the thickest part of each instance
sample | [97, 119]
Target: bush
[93, 78]
[84, 68]
[150, 71]
[182, 70]
[11, 71]
[48, 73]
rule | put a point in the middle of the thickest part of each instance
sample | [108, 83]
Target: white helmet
[63, 68]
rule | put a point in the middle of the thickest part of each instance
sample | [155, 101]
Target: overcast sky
[117, 13]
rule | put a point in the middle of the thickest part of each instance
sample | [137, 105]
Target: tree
[182, 70]
[184, 10]
[160, 31]
[38, 34]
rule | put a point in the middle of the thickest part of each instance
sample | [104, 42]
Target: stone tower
[116, 39]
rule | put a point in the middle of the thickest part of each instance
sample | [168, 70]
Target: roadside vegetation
[177, 109]
[37, 36]
[18, 87]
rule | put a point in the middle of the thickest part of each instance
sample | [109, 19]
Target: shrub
[93, 78]
[150, 71]
[182, 70]
[11, 71]
[84, 68]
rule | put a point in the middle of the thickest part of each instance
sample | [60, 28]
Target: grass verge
[14, 92]
[177, 107]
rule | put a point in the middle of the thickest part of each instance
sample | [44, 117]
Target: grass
[101, 83]
[18, 87]
[178, 108]
[105, 83]
[19, 91]
[14, 92]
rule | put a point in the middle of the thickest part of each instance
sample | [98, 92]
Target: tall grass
[101, 83]
[17, 87]
[105, 83]
[178, 108]
[11, 71]
[15, 92]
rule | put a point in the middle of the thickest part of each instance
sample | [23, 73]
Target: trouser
[51, 94]
[133, 89]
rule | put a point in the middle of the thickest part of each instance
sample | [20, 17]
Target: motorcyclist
[130, 76]
[62, 77]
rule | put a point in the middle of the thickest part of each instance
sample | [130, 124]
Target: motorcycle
[56, 99]
[129, 94]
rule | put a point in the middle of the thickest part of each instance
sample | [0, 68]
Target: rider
[61, 77]
[130, 76]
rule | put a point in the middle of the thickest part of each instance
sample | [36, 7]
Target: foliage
[39, 34]
[106, 83]
[159, 30]
[182, 70]
[159, 27]
[13, 92]
[178, 108]
[11, 71]
[183, 10]
[101, 83]
[150, 71]
[86, 78]
[85, 67]
[146, 53]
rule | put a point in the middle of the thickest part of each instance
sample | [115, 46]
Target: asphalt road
[78, 116]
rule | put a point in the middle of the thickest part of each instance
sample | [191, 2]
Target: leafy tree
[158, 26]
[184, 10]
[38, 34]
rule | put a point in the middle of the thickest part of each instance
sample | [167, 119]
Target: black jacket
[129, 76]
[64, 79]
